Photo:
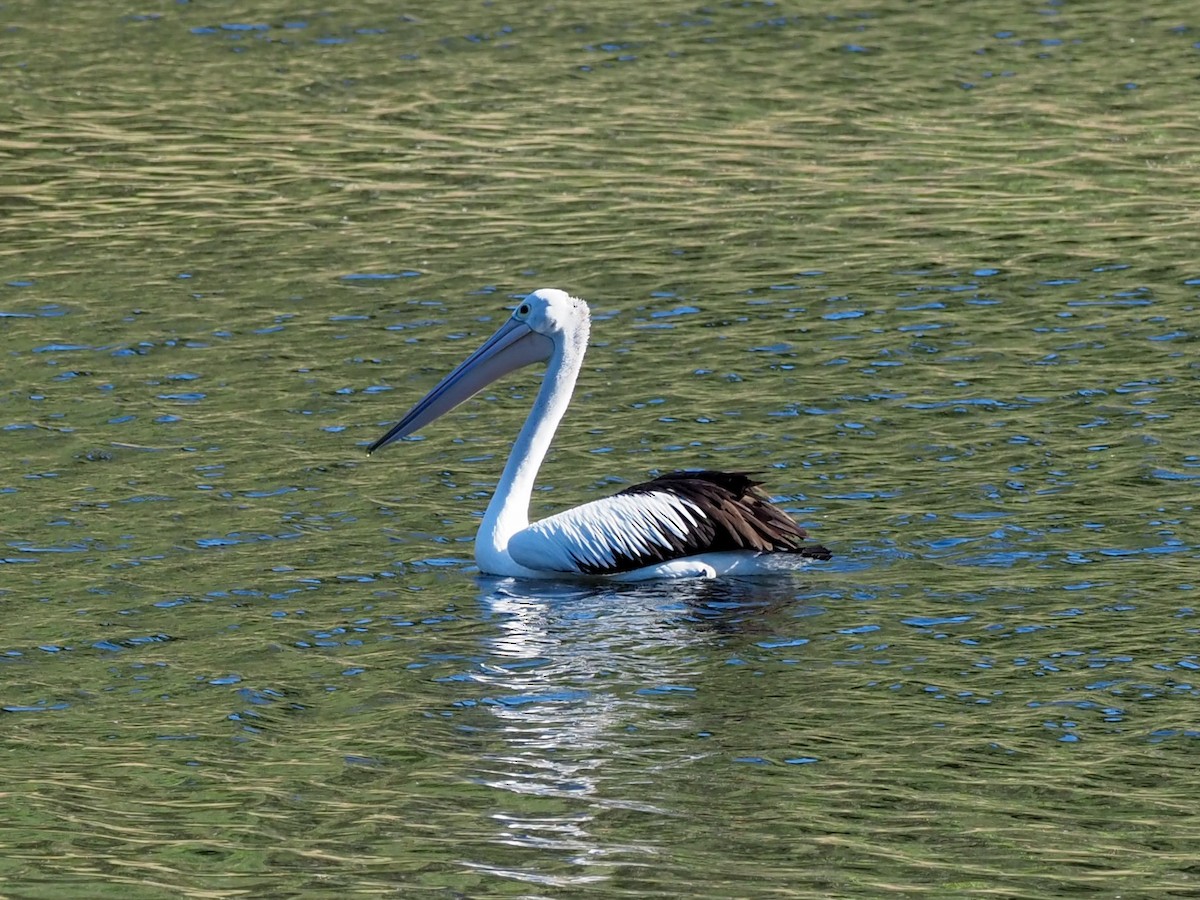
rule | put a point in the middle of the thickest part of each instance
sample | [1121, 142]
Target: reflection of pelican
[568, 668]
[567, 685]
[595, 699]
[681, 525]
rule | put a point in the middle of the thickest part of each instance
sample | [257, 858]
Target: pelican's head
[545, 322]
[554, 313]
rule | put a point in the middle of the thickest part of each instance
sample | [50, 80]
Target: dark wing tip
[738, 516]
[737, 483]
[816, 551]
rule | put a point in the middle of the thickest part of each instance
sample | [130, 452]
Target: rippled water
[931, 269]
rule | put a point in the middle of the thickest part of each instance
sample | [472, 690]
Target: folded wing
[672, 516]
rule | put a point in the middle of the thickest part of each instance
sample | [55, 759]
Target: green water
[930, 268]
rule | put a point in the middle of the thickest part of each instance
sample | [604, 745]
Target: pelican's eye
[524, 310]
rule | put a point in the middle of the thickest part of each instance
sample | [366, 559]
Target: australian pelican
[681, 525]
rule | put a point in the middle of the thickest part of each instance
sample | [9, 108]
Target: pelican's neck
[508, 511]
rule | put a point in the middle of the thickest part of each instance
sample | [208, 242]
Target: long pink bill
[514, 345]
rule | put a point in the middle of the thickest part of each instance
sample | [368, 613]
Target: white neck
[508, 511]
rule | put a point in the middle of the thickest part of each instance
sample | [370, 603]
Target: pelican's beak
[513, 346]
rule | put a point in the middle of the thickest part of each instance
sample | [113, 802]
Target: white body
[589, 540]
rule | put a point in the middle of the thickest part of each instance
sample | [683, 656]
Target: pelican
[680, 525]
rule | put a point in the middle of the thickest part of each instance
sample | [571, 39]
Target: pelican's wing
[672, 516]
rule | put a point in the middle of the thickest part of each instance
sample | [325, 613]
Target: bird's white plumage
[596, 536]
[681, 525]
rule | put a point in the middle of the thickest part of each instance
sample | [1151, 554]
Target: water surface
[931, 271]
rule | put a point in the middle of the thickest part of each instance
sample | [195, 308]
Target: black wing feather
[738, 516]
